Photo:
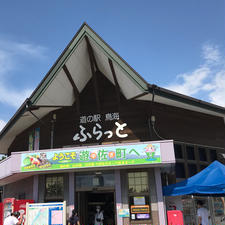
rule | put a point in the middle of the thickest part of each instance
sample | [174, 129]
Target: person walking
[202, 213]
[13, 219]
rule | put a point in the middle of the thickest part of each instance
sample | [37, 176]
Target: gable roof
[76, 58]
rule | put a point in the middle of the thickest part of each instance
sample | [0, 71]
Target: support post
[161, 206]
[75, 89]
[35, 188]
[117, 87]
[71, 192]
[118, 197]
[94, 69]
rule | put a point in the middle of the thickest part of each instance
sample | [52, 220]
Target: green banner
[91, 157]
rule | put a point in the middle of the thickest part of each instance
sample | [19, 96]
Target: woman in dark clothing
[74, 219]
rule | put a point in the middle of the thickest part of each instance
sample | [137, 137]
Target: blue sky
[175, 44]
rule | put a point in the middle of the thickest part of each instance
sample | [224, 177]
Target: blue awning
[210, 181]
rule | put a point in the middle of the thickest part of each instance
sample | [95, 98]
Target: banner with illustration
[91, 157]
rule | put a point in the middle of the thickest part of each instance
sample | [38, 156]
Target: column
[71, 195]
[118, 197]
[35, 188]
[161, 206]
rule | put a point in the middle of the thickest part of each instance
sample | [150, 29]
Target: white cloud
[32, 50]
[207, 79]
[11, 56]
[13, 97]
[2, 124]
[211, 53]
[217, 96]
[22, 49]
[5, 62]
[190, 83]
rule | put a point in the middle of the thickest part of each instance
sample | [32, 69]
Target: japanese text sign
[96, 130]
[140, 209]
[92, 157]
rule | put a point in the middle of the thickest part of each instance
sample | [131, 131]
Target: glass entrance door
[95, 189]
[88, 201]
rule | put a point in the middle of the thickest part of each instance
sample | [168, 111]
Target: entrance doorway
[89, 200]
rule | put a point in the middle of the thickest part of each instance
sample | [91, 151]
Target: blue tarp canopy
[210, 181]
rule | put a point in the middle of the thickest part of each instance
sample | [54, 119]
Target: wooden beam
[138, 96]
[94, 76]
[49, 106]
[117, 87]
[75, 89]
[92, 53]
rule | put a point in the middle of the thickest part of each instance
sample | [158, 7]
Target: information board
[46, 213]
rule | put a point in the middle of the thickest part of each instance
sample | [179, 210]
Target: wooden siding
[171, 122]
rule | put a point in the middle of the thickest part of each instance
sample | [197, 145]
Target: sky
[176, 44]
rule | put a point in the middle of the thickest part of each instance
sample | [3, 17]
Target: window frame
[57, 197]
[139, 194]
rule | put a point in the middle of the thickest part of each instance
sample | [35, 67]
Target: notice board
[46, 213]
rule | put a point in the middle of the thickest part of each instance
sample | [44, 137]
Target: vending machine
[175, 217]
[1, 210]
[12, 205]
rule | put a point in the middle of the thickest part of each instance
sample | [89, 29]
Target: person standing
[74, 219]
[202, 213]
[99, 216]
[13, 219]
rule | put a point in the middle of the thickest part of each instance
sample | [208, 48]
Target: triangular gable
[56, 90]
[76, 59]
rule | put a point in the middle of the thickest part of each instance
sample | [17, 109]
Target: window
[180, 172]
[138, 196]
[54, 187]
[97, 179]
[213, 155]
[191, 159]
[202, 167]
[138, 182]
[202, 154]
[192, 169]
[190, 152]
[178, 151]
[34, 139]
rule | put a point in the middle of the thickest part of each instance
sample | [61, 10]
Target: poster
[140, 209]
[143, 216]
[139, 200]
[36, 138]
[100, 156]
[56, 217]
[38, 216]
[219, 206]
[124, 213]
[31, 141]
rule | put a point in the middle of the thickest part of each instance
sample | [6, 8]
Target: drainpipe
[52, 130]
[152, 91]
[152, 119]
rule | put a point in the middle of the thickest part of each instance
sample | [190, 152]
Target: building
[94, 132]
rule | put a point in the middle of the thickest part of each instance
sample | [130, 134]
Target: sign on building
[92, 127]
[98, 156]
